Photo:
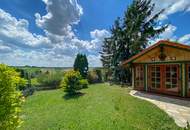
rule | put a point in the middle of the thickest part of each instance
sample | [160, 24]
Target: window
[139, 76]
[155, 75]
[171, 77]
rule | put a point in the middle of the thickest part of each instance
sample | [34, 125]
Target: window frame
[139, 77]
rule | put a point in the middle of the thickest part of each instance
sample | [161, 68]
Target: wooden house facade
[162, 68]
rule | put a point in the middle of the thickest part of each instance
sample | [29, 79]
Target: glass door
[139, 77]
[155, 74]
[172, 78]
[164, 79]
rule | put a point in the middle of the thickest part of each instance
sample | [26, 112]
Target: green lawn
[102, 107]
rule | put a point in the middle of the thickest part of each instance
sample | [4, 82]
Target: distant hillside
[52, 68]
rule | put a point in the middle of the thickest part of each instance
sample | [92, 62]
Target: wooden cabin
[162, 68]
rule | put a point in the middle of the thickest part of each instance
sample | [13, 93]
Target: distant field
[101, 107]
[52, 68]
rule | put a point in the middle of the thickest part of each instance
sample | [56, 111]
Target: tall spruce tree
[130, 36]
[81, 65]
[106, 53]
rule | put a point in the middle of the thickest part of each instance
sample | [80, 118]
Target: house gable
[163, 51]
[166, 54]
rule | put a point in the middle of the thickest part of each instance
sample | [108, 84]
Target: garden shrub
[26, 88]
[28, 73]
[83, 83]
[99, 74]
[94, 76]
[10, 98]
[50, 80]
[71, 82]
[23, 84]
[28, 91]
[106, 75]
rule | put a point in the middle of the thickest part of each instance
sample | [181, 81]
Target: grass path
[102, 107]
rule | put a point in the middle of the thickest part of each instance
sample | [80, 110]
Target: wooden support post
[133, 77]
[145, 77]
[183, 79]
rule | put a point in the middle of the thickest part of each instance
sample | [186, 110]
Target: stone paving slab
[178, 109]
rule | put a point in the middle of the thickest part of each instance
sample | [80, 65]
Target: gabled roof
[159, 43]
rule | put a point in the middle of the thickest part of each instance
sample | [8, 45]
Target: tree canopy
[81, 64]
[130, 35]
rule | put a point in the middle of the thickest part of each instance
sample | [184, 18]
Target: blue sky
[52, 32]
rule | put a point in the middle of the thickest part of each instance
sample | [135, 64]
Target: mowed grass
[102, 107]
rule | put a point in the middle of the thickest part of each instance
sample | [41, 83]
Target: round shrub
[71, 82]
[10, 98]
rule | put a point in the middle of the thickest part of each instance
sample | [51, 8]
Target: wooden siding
[172, 54]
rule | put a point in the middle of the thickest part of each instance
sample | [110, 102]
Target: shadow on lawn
[73, 96]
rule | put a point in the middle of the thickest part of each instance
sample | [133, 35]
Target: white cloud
[35, 58]
[18, 46]
[57, 23]
[171, 6]
[58, 28]
[185, 39]
[99, 34]
[169, 32]
[94, 61]
[15, 33]
[61, 14]
[98, 37]
[5, 49]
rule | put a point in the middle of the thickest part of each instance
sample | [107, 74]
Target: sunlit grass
[100, 107]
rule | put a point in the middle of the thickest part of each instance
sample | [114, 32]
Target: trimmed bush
[71, 82]
[10, 98]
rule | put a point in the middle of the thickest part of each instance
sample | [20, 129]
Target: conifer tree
[130, 35]
[81, 65]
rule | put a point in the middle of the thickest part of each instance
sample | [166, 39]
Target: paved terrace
[178, 109]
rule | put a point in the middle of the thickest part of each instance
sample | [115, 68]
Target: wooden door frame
[178, 81]
[162, 88]
[142, 85]
[150, 88]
